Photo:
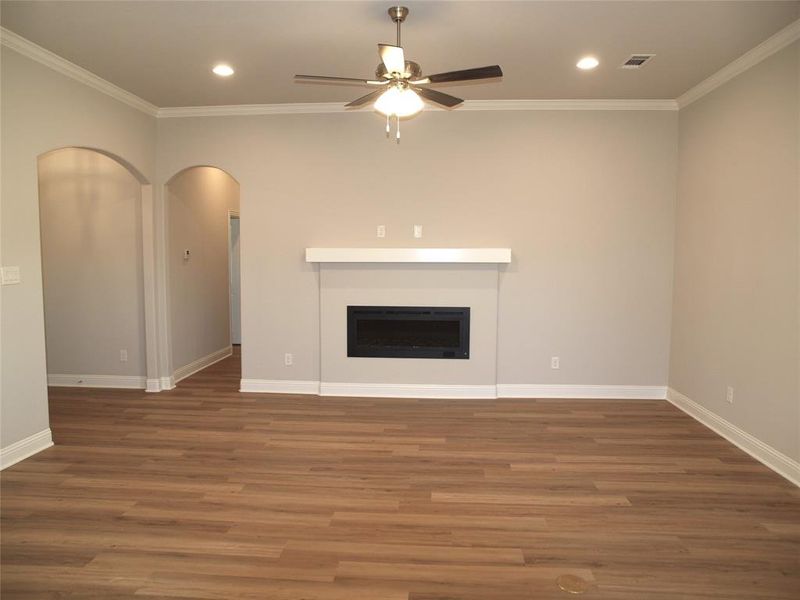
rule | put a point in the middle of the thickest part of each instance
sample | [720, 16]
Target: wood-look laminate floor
[204, 492]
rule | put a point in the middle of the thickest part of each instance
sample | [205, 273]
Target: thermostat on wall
[186, 255]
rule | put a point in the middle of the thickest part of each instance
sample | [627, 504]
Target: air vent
[636, 61]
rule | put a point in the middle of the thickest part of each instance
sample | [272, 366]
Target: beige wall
[585, 199]
[91, 228]
[198, 202]
[735, 316]
[40, 111]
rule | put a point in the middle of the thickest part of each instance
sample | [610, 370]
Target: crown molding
[240, 110]
[35, 52]
[786, 36]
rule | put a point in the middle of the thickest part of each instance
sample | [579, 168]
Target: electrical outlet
[729, 395]
[288, 359]
[417, 231]
[555, 362]
[381, 231]
[123, 355]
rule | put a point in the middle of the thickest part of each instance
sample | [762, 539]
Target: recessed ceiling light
[223, 70]
[587, 63]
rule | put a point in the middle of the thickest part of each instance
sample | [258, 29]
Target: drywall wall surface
[735, 317]
[585, 200]
[40, 111]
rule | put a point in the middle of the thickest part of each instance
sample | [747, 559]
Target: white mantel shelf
[408, 255]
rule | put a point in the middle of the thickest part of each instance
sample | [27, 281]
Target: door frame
[234, 214]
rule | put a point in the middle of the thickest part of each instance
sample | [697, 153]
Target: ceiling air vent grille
[637, 61]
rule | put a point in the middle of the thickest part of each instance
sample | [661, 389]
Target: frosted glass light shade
[398, 102]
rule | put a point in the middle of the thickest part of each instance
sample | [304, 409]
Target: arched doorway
[97, 264]
[201, 204]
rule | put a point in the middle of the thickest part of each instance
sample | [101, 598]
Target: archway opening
[202, 209]
[93, 271]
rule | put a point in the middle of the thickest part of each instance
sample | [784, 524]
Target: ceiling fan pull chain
[397, 128]
[388, 126]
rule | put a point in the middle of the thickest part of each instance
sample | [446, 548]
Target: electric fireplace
[408, 331]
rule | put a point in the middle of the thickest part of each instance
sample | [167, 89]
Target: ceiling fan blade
[465, 75]
[365, 99]
[393, 58]
[342, 80]
[438, 97]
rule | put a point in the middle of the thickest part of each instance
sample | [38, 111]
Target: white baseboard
[197, 365]
[422, 390]
[764, 453]
[413, 390]
[11, 455]
[97, 381]
[279, 386]
[610, 392]
[153, 385]
[167, 383]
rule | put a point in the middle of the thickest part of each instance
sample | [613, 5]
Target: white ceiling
[162, 51]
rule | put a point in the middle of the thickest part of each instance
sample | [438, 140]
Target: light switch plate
[10, 275]
[417, 231]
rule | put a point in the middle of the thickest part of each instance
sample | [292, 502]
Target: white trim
[409, 255]
[279, 386]
[153, 385]
[424, 390]
[61, 65]
[765, 49]
[198, 365]
[413, 390]
[12, 454]
[134, 382]
[620, 392]
[302, 108]
[167, 383]
[762, 452]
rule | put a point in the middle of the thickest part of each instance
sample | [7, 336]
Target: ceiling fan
[400, 84]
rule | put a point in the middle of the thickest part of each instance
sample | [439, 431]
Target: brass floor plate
[572, 584]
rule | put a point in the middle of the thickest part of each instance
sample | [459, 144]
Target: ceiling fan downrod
[398, 14]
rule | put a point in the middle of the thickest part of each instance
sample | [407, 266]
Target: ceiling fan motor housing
[412, 71]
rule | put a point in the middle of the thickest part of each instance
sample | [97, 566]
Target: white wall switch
[288, 359]
[729, 395]
[555, 363]
[417, 231]
[10, 275]
[381, 231]
[123, 355]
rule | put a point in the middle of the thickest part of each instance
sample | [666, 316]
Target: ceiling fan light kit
[400, 84]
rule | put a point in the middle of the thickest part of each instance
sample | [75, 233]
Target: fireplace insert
[408, 331]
